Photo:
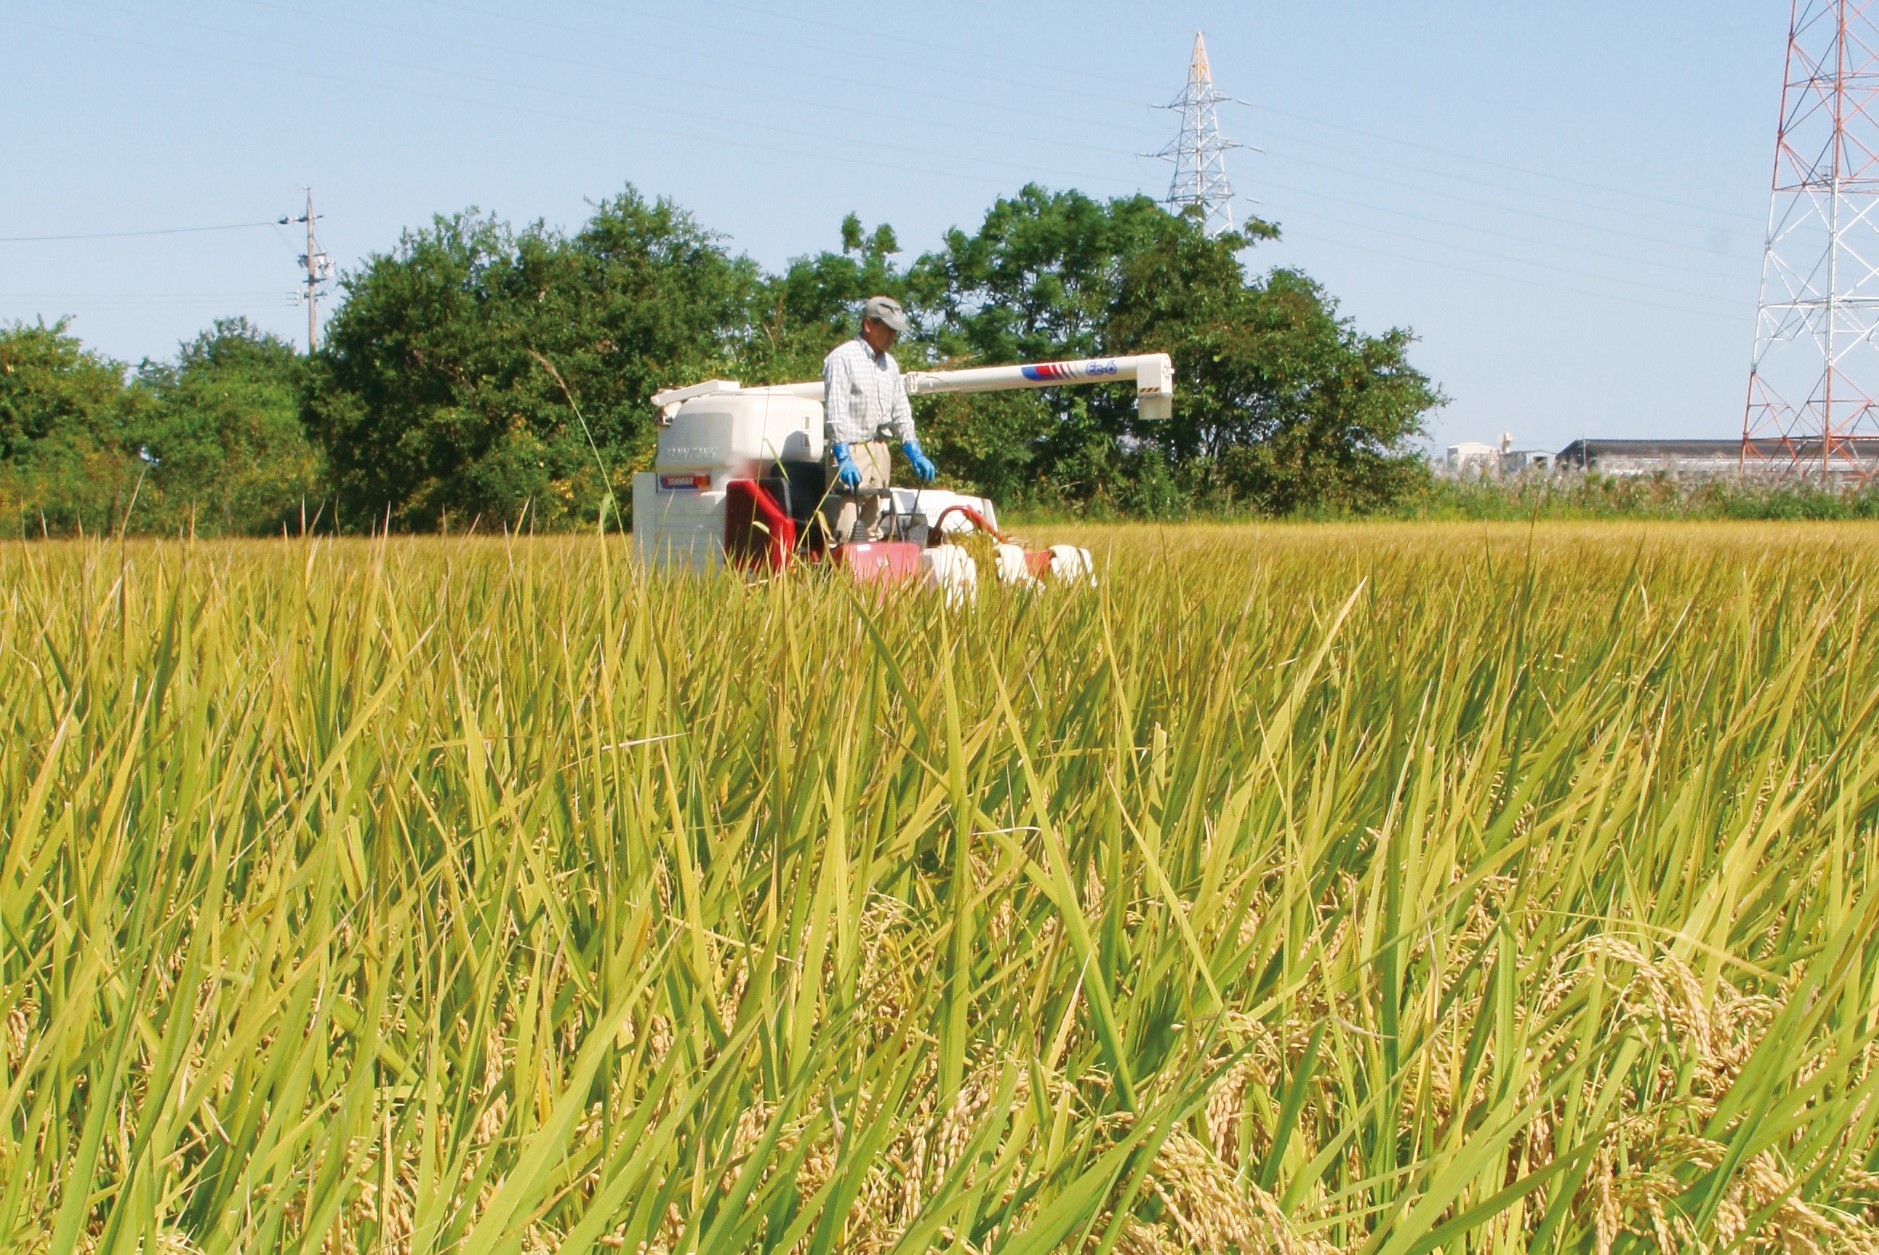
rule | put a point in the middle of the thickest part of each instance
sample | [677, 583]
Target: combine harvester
[739, 478]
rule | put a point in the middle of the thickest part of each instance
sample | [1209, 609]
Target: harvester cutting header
[769, 476]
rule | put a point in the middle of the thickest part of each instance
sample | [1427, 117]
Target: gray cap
[886, 309]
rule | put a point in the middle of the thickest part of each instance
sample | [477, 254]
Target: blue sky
[1565, 202]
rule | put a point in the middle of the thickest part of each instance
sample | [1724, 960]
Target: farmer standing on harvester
[863, 405]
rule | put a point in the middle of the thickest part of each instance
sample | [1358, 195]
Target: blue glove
[923, 468]
[847, 474]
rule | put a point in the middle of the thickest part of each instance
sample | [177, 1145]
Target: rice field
[1385, 889]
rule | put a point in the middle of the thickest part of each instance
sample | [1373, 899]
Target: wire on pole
[319, 268]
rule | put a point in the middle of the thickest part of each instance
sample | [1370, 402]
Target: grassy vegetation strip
[1389, 888]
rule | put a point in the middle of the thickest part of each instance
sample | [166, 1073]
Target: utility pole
[319, 269]
[1814, 377]
[1199, 151]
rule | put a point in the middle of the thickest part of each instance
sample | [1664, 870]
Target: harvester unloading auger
[739, 478]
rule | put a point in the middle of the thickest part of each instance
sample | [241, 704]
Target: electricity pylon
[1199, 151]
[1814, 378]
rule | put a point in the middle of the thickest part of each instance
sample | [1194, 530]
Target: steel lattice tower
[1199, 152]
[1814, 378]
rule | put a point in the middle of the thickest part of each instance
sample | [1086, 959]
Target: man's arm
[835, 397]
[923, 468]
[903, 411]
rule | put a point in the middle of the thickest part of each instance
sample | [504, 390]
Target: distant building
[1472, 459]
[1714, 459]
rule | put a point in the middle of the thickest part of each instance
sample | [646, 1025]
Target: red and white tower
[1814, 379]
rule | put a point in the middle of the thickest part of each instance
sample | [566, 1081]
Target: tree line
[481, 373]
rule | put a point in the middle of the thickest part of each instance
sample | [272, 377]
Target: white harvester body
[709, 440]
[738, 476]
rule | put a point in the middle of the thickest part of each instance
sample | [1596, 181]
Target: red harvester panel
[879, 562]
[757, 533]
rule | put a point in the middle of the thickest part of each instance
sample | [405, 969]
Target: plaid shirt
[862, 396]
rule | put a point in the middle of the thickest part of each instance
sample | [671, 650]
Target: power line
[843, 156]
[1535, 214]
[1502, 165]
[128, 235]
[1034, 82]
[832, 149]
[569, 92]
[1486, 255]
[1134, 85]
[979, 161]
[145, 296]
[639, 43]
[1057, 143]
[1499, 186]
[1474, 229]
[923, 43]
[1504, 277]
[1495, 185]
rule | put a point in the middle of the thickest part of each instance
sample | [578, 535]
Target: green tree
[1041, 278]
[223, 425]
[815, 304]
[434, 401]
[434, 404]
[64, 419]
[1282, 405]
